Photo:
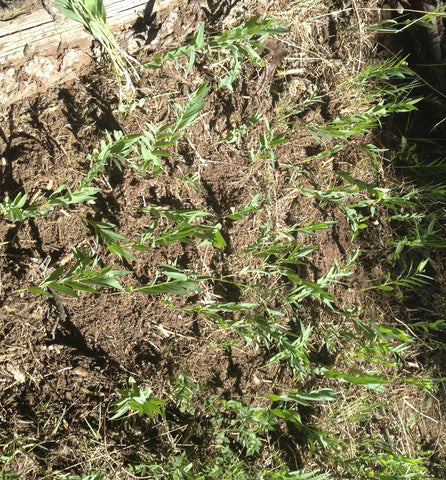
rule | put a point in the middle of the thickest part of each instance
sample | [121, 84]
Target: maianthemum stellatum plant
[286, 306]
[92, 15]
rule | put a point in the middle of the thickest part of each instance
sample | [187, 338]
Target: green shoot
[370, 380]
[184, 232]
[268, 141]
[184, 391]
[240, 42]
[91, 14]
[137, 401]
[104, 231]
[178, 282]
[81, 277]
[412, 278]
[16, 211]
[116, 150]
[153, 147]
[235, 134]
[321, 395]
[188, 113]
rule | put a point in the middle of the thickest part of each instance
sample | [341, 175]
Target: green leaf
[251, 206]
[64, 289]
[387, 288]
[289, 415]
[55, 275]
[40, 291]
[96, 8]
[175, 287]
[218, 241]
[371, 381]
[136, 400]
[118, 250]
[321, 395]
[193, 107]
[103, 282]
[68, 12]
[173, 272]
[81, 286]
[124, 143]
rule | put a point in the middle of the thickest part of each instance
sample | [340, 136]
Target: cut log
[39, 50]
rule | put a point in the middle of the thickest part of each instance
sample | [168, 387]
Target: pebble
[79, 371]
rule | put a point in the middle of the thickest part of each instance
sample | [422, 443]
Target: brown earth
[62, 359]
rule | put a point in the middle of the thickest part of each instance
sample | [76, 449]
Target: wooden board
[38, 50]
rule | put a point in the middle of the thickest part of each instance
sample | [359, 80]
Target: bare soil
[60, 360]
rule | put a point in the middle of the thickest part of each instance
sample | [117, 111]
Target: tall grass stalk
[91, 14]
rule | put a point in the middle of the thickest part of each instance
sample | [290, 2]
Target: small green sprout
[137, 401]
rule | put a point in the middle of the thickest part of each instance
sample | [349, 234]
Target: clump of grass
[92, 15]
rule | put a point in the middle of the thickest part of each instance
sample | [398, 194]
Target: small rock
[79, 371]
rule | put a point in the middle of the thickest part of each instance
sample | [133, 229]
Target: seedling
[117, 150]
[326, 362]
[16, 210]
[185, 231]
[91, 14]
[412, 278]
[83, 276]
[241, 42]
[178, 282]
[135, 400]
[184, 391]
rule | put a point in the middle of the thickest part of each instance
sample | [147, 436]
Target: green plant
[413, 277]
[402, 22]
[379, 343]
[104, 232]
[356, 196]
[137, 401]
[146, 149]
[241, 42]
[370, 379]
[187, 114]
[319, 288]
[91, 14]
[184, 231]
[153, 148]
[12, 451]
[178, 282]
[289, 109]
[268, 141]
[117, 150]
[235, 134]
[251, 207]
[83, 276]
[391, 79]
[376, 84]
[384, 466]
[184, 391]
[5, 473]
[333, 357]
[16, 211]
[247, 425]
